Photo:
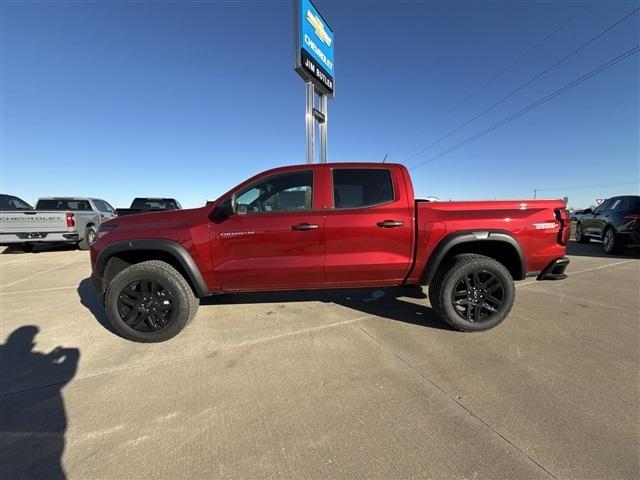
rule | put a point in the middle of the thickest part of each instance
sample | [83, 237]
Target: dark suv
[616, 222]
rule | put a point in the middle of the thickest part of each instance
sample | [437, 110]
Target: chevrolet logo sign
[318, 26]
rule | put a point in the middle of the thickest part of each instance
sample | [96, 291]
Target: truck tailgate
[33, 221]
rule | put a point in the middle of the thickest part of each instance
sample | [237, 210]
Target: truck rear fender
[119, 255]
[499, 245]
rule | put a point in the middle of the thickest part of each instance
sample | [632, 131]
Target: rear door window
[634, 204]
[361, 187]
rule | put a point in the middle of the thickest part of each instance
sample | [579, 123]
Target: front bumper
[555, 270]
[96, 281]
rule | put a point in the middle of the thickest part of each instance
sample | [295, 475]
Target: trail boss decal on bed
[544, 226]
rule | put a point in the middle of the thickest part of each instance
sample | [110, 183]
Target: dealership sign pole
[313, 53]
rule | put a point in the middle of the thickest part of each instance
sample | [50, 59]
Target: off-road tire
[89, 233]
[580, 236]
[613, 246]
[448, 276]
[184, 300]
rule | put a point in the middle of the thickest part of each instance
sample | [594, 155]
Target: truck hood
[166, 218]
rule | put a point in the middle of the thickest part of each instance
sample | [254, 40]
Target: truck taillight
[71, 221]
[562, 215]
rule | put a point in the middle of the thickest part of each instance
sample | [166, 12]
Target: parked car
[10, 203]
[148, 204]
[326, 226]
[616, 222]
[576, 215]
[54, 219]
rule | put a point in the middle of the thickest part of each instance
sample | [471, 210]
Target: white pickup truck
[54, 219]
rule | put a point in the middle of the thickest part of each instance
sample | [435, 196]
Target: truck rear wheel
[89, 237]
[150, 302]
[472, 292]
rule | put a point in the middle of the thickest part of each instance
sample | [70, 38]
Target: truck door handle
[390, 223]
[304, 226]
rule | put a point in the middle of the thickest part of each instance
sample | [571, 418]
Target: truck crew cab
[326, 226]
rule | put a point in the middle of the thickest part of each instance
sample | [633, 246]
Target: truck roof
[68, 198]
[154, 198]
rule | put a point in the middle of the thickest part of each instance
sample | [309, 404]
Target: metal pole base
[313, 115]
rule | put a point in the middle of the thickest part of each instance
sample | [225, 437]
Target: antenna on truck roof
[385, 157]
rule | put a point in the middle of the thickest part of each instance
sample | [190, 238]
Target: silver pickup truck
[54, 219]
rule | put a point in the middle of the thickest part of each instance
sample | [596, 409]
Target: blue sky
[186, 99]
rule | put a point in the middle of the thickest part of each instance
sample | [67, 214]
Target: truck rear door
[369, 229]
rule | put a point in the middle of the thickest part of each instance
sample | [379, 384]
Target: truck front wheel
[472, 292]
[150, 302]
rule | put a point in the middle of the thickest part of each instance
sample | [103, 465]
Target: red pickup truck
[325, 226]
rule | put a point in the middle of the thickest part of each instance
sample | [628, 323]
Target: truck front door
[275, 239]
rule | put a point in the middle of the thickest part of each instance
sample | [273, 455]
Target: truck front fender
[146, 247]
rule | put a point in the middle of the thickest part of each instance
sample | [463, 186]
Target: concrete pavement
[347, 384]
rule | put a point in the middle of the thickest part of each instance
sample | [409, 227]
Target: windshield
[9, 202]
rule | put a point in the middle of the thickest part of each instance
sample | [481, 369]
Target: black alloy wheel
[472, 292]
[478, 295]
[610, 242]
[146, 305]
[580, 236]
[149, 301]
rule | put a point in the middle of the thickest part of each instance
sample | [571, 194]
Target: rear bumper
[555, 270]
[33, 237]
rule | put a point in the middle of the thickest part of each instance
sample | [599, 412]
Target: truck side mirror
[224, 209]
[233, 204]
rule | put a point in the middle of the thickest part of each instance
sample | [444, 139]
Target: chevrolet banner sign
[313, 46]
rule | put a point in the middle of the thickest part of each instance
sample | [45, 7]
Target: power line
[527, 83]
[533, 105]
[509, 67]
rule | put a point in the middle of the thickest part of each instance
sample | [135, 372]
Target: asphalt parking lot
[347, 384]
